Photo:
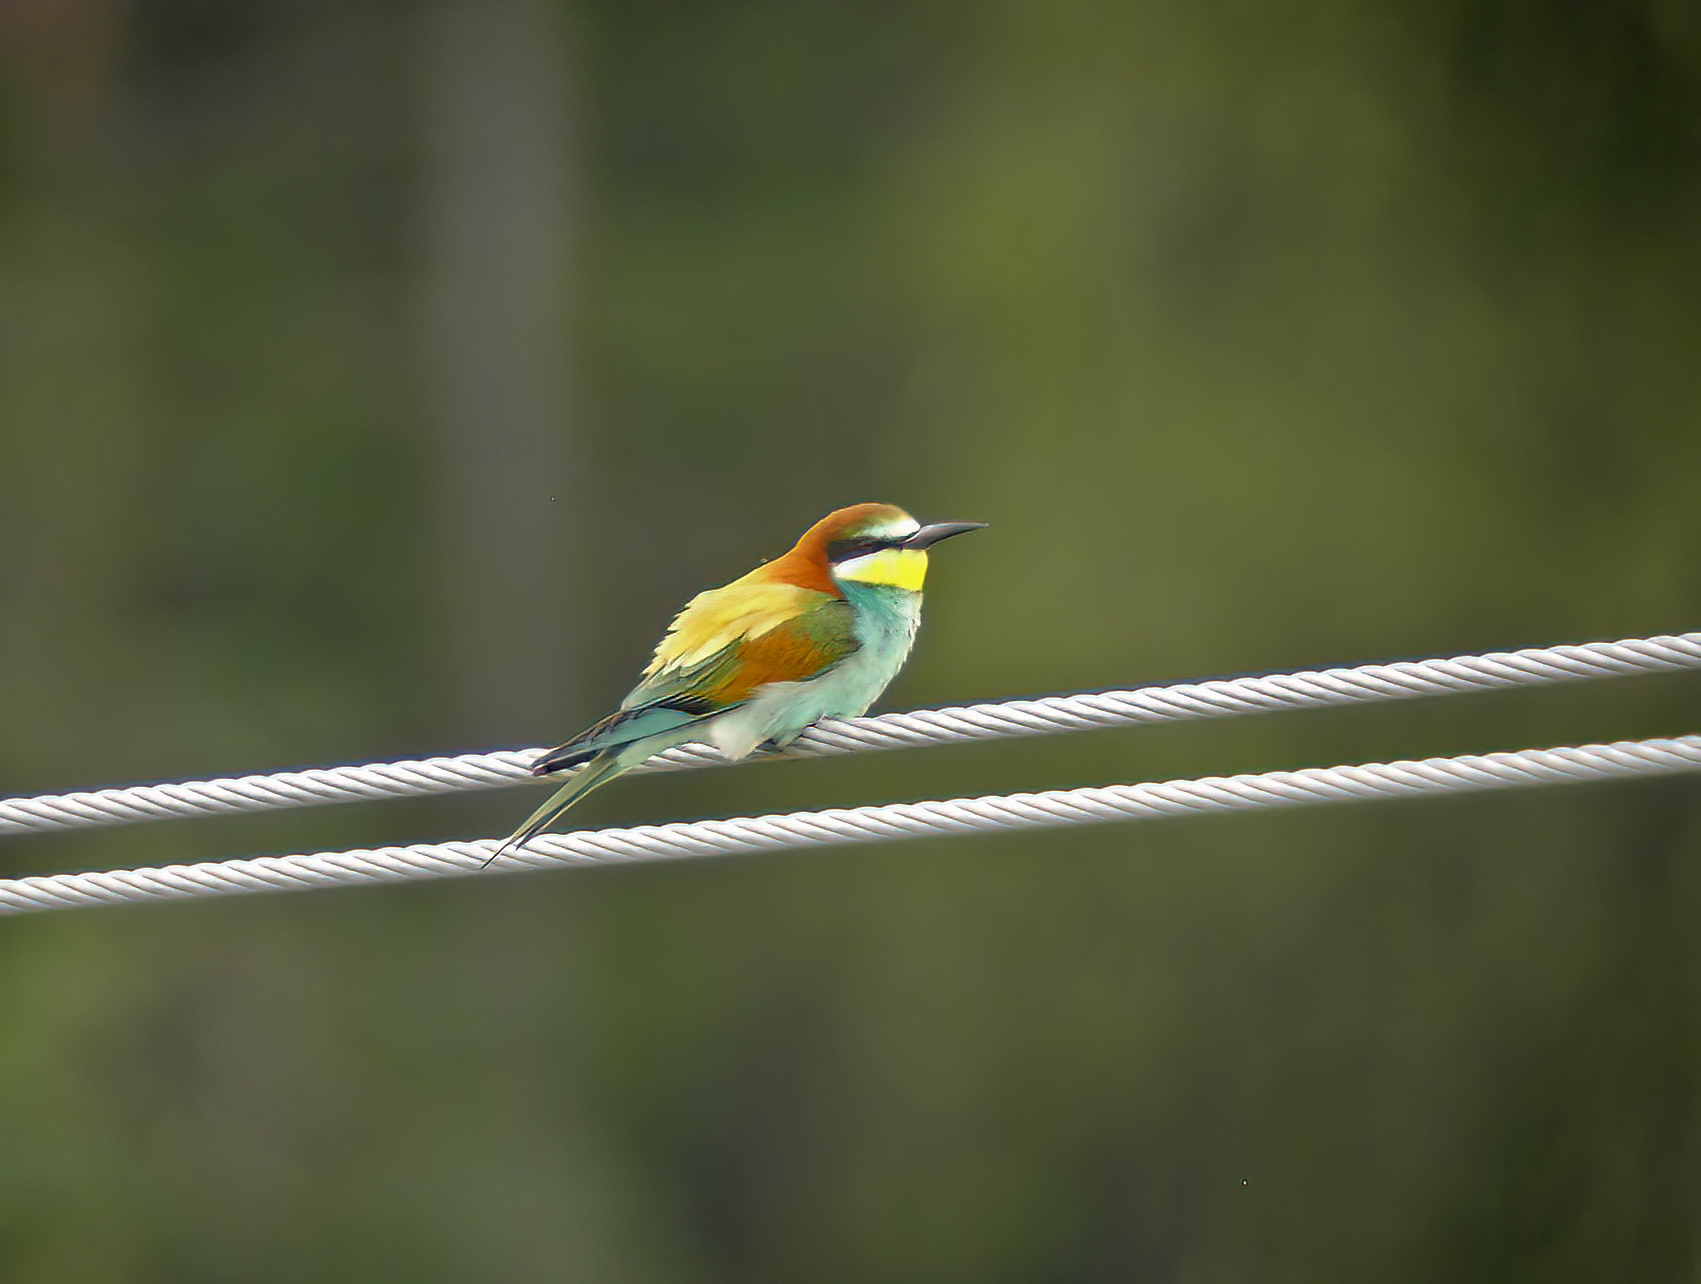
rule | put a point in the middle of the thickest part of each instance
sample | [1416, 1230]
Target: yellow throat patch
[903, 568]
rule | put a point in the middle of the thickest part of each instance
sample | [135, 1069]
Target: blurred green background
[375, 380]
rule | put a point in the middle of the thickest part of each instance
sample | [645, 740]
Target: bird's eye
[842, 550]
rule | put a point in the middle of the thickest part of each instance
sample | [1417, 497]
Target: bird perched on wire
[817, 633]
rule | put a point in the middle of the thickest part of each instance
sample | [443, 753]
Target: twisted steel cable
[864, 824]
[1048, 715]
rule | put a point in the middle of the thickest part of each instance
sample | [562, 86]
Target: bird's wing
[721, 648]
[742, 611]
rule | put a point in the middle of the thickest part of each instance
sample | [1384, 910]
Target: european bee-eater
[817, 633]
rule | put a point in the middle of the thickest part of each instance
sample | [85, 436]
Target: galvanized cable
[863, 824]
[1050, 714]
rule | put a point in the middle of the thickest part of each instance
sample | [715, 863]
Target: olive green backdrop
[376, 379]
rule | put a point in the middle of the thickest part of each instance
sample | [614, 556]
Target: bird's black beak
[940, 530]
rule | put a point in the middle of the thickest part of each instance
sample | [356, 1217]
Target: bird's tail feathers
[600, 769]
[620, 730]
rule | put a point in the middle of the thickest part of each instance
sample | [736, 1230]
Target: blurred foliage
[1264, 336]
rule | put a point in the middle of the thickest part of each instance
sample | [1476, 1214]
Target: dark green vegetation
[1264, 336]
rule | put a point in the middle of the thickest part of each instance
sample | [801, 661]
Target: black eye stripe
[842, 550]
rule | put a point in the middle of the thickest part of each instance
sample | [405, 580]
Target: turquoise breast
[886, 621]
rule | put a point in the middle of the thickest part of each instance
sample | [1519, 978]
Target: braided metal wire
[864, 824]
[1051, 714]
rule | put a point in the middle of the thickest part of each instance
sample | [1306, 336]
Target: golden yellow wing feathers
[741, 611]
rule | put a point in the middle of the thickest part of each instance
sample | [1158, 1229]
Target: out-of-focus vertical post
[499, 193]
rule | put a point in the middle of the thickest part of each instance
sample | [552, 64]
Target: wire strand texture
[1011, 718]
[864, 824]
